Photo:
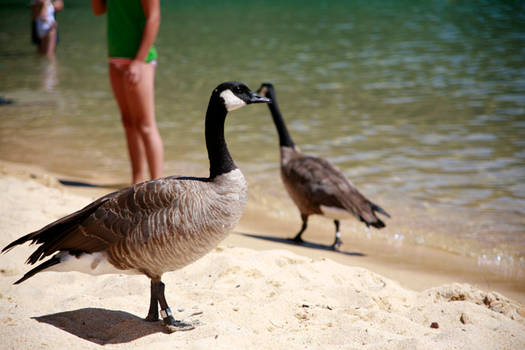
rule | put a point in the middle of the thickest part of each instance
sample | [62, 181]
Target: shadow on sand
[102, 326]
[303, 244]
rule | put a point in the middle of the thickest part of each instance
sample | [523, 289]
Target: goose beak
[254, 98]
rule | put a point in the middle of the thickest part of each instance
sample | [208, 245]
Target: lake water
[420, 103]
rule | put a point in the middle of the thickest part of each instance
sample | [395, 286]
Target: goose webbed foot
[337, 243]
[158, 299]
[173, 325]
[297, 239]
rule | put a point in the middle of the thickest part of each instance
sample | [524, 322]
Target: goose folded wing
[326, 185]
[130, 213]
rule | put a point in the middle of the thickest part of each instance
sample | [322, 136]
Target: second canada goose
[315, 185]
[155, 226]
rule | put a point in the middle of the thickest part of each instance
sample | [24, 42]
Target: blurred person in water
[132, 27]
[44, 27]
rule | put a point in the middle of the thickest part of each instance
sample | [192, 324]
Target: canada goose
[155, 226]
[315, 185]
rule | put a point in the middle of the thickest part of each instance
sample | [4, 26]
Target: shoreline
[413, 266]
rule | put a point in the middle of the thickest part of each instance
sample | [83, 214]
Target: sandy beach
[253, 292]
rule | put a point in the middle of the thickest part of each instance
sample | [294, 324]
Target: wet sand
[255, 290]
[415, 267]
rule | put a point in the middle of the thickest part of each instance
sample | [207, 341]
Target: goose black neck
[221, 161]
[284, 137]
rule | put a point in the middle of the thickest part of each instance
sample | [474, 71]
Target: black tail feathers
[377, 208]
[21, 240]
[48, 263]
[377, 223]
[51, 236]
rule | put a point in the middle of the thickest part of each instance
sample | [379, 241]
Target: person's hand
[134, 72]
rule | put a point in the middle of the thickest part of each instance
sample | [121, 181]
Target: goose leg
[337, 242]
[171, 324]
[297, 237]
[153, 313]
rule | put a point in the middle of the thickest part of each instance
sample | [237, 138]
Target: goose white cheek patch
[231, 101]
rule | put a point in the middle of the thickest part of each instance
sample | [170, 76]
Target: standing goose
[155, 226]
[315, 185]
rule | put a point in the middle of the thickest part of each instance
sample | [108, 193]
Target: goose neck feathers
[285, 140]
[219, 156]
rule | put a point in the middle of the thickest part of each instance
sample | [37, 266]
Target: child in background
[44, 25]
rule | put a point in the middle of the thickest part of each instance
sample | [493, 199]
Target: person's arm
[151, 10]
[99, 7]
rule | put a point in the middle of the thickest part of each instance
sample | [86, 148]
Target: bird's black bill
[254, 98]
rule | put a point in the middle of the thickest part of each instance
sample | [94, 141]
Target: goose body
[155, 226]
[150, 228]
[315, 185]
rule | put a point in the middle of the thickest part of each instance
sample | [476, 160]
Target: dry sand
[239, 298]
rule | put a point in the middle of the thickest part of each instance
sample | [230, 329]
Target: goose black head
[266, 90]
[235, 95]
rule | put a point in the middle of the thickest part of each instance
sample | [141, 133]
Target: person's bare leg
[141, 100]
[51, 39]
[44, 44]
[41, 46]
[137, 155]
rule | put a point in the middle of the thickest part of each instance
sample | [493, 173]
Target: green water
[420, 103]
